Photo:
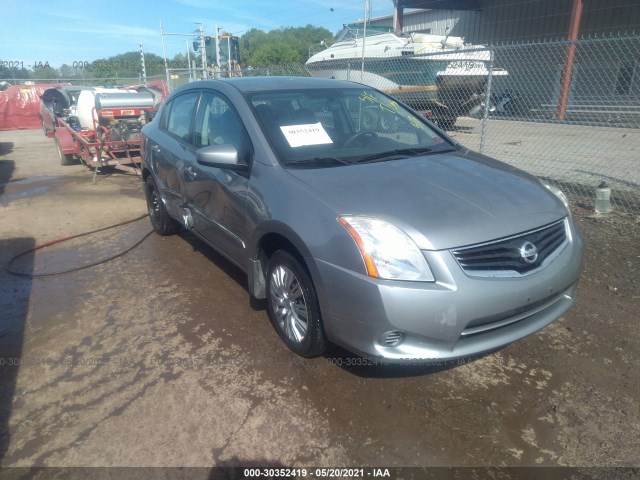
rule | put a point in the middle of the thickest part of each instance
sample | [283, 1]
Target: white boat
[425, 71]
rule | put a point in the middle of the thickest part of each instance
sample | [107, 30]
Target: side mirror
[220, 156]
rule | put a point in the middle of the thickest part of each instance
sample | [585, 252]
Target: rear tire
[65, 159]
[292, 306]
[162, 223]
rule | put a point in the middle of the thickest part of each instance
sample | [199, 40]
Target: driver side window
[218, 123]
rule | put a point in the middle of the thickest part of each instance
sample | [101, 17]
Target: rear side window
[181, 115]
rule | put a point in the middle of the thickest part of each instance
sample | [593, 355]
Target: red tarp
[20, 106]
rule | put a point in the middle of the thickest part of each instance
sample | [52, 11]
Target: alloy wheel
[289, 304]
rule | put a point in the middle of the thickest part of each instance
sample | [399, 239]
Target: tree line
[282, 46]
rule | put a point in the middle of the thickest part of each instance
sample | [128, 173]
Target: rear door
[172, 148]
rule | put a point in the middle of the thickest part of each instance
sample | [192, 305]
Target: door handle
[155, 148]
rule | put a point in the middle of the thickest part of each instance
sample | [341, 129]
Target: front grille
[521, 253]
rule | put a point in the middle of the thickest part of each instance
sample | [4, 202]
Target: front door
[217, 196]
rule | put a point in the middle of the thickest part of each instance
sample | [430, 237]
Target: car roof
[260, 84]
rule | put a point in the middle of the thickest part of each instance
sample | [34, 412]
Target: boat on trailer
[438, 75]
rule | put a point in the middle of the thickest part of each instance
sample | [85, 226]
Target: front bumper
[457, 316]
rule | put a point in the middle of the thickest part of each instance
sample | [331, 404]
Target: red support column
[569, 59]
[397, 15]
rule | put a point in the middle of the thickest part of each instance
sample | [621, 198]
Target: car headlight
[387, 251]
[558, 193]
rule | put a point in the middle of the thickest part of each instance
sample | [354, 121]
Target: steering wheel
[353, 137]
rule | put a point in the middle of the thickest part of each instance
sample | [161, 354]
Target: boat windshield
[318, 128]
[353, 32]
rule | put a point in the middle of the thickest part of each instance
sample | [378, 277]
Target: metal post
[487, 102]
[218, 46]
[144, 68]
[189, 61]
[164, 54]
[229, 54]
[397, 16]
[569, 59]
[364, 38]
[95, 172]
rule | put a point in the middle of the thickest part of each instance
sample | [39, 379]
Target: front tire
[292, 306]
[160, 219]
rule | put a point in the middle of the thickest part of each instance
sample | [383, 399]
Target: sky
[36, 32]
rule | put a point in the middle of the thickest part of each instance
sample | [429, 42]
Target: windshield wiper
[399, 152]
[317, 162]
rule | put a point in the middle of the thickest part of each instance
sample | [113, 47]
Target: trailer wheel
[65, 158]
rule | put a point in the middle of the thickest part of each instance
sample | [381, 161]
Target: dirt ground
[157, 358]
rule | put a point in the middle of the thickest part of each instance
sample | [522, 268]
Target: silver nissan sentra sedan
[358, 221]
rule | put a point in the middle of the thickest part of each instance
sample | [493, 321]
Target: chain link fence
[178, 77]
[87, 81]
[575, 137]
[565, 111]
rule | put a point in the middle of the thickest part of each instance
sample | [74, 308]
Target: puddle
[30, 187]
[26, 193]
[26, 181]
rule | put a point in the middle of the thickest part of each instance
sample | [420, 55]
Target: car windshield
[334, 127]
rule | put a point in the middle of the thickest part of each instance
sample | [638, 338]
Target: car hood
[443, 201]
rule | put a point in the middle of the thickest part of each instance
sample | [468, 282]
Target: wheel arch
[145, 174]
[271, 238]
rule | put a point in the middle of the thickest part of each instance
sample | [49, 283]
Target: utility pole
[144, 68]
[189, 61]
[218, 45]
[364, 37]
[229, 65]
[203, 52]
[202, 45]
[164, 54]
